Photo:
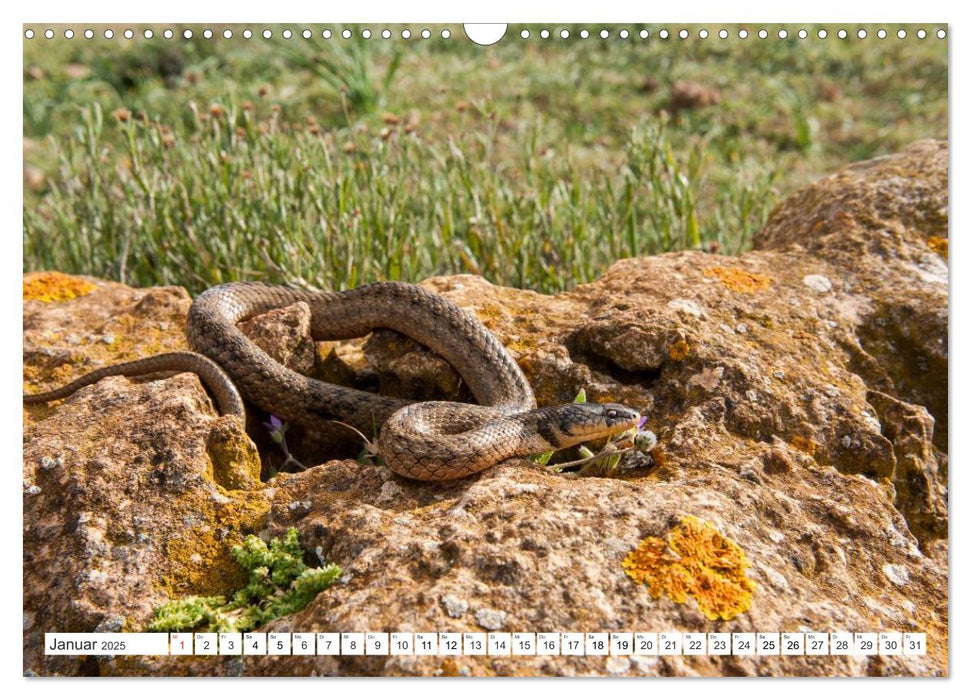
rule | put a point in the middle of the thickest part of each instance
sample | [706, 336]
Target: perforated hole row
[725, 34]
[544, 33]
[229, 34]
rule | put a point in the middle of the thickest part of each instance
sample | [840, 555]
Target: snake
[426, 440]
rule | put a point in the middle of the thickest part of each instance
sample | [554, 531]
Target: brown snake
[430, 441]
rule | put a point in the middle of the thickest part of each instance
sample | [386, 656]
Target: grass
[332, 163]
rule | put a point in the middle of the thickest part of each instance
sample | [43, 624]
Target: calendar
[491, 644]
[553, 345]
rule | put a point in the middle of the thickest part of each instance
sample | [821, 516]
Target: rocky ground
[798, 392]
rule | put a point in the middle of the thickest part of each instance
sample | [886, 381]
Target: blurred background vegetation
[330, 163]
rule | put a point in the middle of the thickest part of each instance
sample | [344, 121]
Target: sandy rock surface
[798, 392]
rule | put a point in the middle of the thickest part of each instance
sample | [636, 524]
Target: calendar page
[402, 348]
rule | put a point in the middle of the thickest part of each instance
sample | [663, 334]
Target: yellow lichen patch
[698, 561]
[55, 286]
[804, 444]
[199, 560]
[246, 511]
[520, 345]
[488, 311]
[938, 245]
[33, 378]
[739, 280]
[679, 350]
[39, 377]
[202, 561]
[234, 458]
[133, 337]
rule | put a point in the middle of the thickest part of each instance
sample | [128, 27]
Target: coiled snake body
[430, 441]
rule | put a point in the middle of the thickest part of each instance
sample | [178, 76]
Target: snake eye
[611, 413]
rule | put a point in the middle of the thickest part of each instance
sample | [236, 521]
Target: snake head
[580, 422]
[619, 417]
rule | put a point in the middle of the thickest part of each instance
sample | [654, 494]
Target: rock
[133, 498]
[920, 485]
[406, 369]
[686, 94]
[802, 447]
[490, 619]
[34, 178]
[284, 335]
[454, 606]
[884, 224]
[818, 283]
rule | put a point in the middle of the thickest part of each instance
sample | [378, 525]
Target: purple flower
[276, 428]
[641, 422]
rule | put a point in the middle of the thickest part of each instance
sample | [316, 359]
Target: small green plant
[279, 584]
[348, 68]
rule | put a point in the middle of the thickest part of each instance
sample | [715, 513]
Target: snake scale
[429, 441]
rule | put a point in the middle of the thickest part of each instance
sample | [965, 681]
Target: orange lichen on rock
[694, 560]
[804, 444]
[55, 286]
[739, 280]
[938, 245]
[659, 457]
[679, 350]
[450, 669]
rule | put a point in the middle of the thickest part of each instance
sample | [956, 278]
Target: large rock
[787, 423]
[884, 223]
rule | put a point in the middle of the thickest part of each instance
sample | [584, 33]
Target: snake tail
[214, 378]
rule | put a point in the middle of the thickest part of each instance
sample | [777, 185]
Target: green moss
[279, 584]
